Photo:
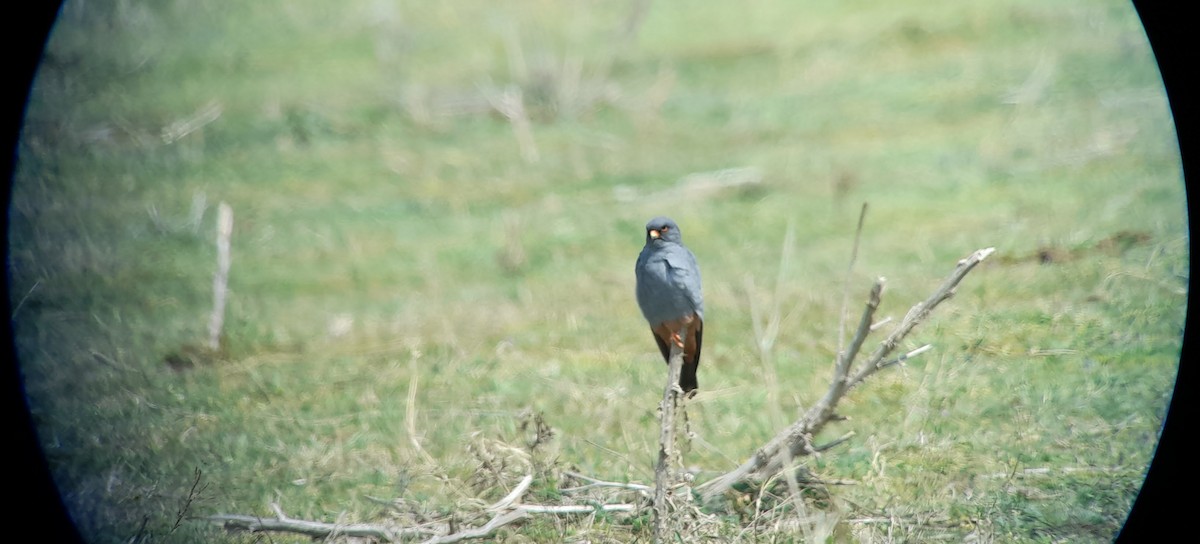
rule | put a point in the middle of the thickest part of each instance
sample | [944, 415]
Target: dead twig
[315, 529]
[501, 519]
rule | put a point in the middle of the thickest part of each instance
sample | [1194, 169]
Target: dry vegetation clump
[497, 490]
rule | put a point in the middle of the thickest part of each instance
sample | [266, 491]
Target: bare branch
[316, 529]
[500, 520]
[664, 472]
[919, 312]
[901, 359]
[830, 445]
[796, 440]
[845, 358]
[192, 495]
[880, 323]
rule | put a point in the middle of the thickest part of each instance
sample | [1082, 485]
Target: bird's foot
[678, 341]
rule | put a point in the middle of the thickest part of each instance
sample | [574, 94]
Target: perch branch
[664, 473]
[796, 440]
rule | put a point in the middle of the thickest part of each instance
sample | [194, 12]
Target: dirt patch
[1114, 245]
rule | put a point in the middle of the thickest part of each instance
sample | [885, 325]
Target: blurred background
[436, 212]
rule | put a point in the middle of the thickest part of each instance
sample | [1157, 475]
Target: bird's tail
[687, 376]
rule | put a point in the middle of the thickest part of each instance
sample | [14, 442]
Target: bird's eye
[665, 228]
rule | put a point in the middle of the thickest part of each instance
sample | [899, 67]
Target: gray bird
[668, 291]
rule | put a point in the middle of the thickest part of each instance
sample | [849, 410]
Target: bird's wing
[685, 275]
[644, 275]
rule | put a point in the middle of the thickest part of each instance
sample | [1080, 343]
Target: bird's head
[663, 229]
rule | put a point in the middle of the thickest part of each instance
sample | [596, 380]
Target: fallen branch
[520, 512]
[1046, 471]
[501, 519]
[507, 510]
[389, 533]
[796, 439]
[315, 529]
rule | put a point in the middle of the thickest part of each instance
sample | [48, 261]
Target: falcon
[669, 294]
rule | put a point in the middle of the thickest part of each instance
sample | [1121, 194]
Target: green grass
[380, 246]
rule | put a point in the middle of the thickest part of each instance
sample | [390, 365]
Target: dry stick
[522, 511]
[664, 479]
[221, 279]
[314, 529]
[283, 524]
[919, 312]
[500, 520]
[797, 438]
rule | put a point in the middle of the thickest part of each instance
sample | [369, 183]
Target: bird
[670, 296]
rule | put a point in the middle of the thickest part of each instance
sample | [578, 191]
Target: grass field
[415, 277]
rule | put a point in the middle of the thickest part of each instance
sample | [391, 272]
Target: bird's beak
[655, 234]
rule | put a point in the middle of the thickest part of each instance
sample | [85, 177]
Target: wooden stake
[221, 279]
